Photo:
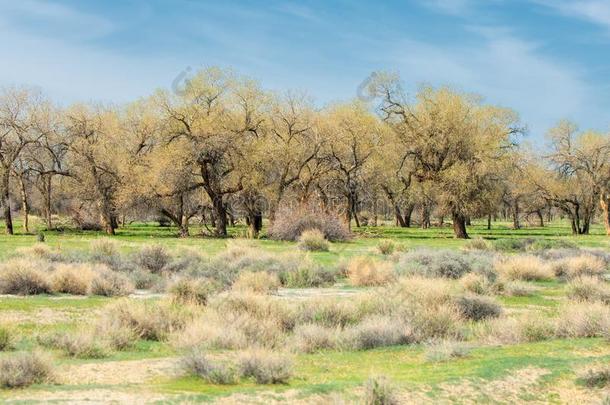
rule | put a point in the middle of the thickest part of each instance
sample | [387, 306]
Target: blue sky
[547, 59]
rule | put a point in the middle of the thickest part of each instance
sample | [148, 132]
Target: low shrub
[376, 331]
[446, 350]
[23, 277]
[386, 247]
[596, 377]
[266, 367]
[477, 308]
[584, 320]
[525, 268]
[196, 363]
[311, 337]
[258, 282]
[518, 289]
[84, 345]
[312, 240]
[290, 223]
[546, 244]
[307, 275]
[443, 263]
[436, 323]
[72, 279]
[37, 251]
[509, 330]
[588, 288]
[577, 266]
[475, 283]
[511, 245]
[380, 391]
[110, 283]
[423, 291]
[478, 244]
[153, 258]
[195, 291]
[24, 369]
[365, 271]
[103, 248]
[7, 338]
[329, 312]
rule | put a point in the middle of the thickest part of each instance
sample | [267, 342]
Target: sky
[546, 59]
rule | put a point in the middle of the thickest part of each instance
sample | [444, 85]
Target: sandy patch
[117, 372]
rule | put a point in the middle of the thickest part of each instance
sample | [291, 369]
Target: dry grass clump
[377, 331]
[104, 247]
[591, 319]
[191, 291]
[443, 263]
[198, 364]
[524, 268]
[596, 377]
[24, 369]
[153, 258]
[24, 277]
[446, 350]
[79, 344]
[477, 308]
[586, 288]
[259, 282]
[290, 223]
[422, 291]
[518, 289]
[312, 240]
[266, 367]
[110, 283]
[577, 266]
[510, 330]
[307, 275]
[475, 283]
[330, 312]
[436, 323]
[311, 337]
[379, 390]
[148, 320]
[386, 247]
[478, 244]
[7, 338]
[39, 251]
[367, 272]
[72, 279]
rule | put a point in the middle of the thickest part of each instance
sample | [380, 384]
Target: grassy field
[541, 371]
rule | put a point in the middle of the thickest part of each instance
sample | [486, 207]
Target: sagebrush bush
[153, 258]
[102, 248]
[425, 291]
[311, 337]
[312, 240]
[518, 289]
[475, 283]
[379, 390]
[330, 312]
[40, 251]
[443, 263]
[436, 323]
[524, 267]
[266, 367]
[586, 288]
[7, 338]
[478, 244]
[110, 283]
[195, 291]
[80, 344]
[596, 377]
[511, 330]
[386, 247]
[24, 277]
[307, 275]
[446, 350]
[511, 245]
[477, 308]
[259, 282]
[290, 223]
[148, 320]
[198, 364]
[577, 266]
[365, 271]
[377, 331]
[24, 369]
[590, 319]
[72, 279]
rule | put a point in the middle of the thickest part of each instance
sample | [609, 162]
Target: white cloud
[594, 11]
[453, 7]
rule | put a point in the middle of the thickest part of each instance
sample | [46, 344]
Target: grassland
[540, 371]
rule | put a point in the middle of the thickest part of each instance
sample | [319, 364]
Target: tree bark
[604, 202]
[408, 215]
[6, 203]
[459, 225]
[515, 209]
[488, 222]
[25, 206]
[540, 218]
[220, 211]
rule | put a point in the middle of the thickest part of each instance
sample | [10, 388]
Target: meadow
[394, 315]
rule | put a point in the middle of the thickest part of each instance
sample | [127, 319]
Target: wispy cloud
[594, 11]
[452, 7]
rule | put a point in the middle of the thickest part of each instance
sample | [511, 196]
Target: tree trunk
[183, 230]
[408, 215]
[459, 225]
[399, 219]
[488, 222]
[220, 211]
[516, 224]
[425, 216]
[47, 201]
[6, 203]
[255, 224]
[604, 202]
[25, 206]
[540, 218]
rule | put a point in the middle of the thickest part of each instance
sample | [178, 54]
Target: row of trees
[220, 147]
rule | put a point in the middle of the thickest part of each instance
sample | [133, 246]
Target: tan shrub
[311, 337]
[198, 364]
[330, 312]
[423, 290]
[104, 247]
[379, 390]
[313, 240]
[367, 272]
[512, 330]
[478, 244]
[194, 291]
[587, 288]
[446, 350]
[590, 319]
[259, 282]
[436, 323]
[377, 331]
[524, 267]
[266, 367]
[24, 277]
[36, 251]
[80, 344]
[576, 266]
[72, 279]
[153, 258]
[386, 247]
[24, 369]
[475, 283]
[110, 283]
